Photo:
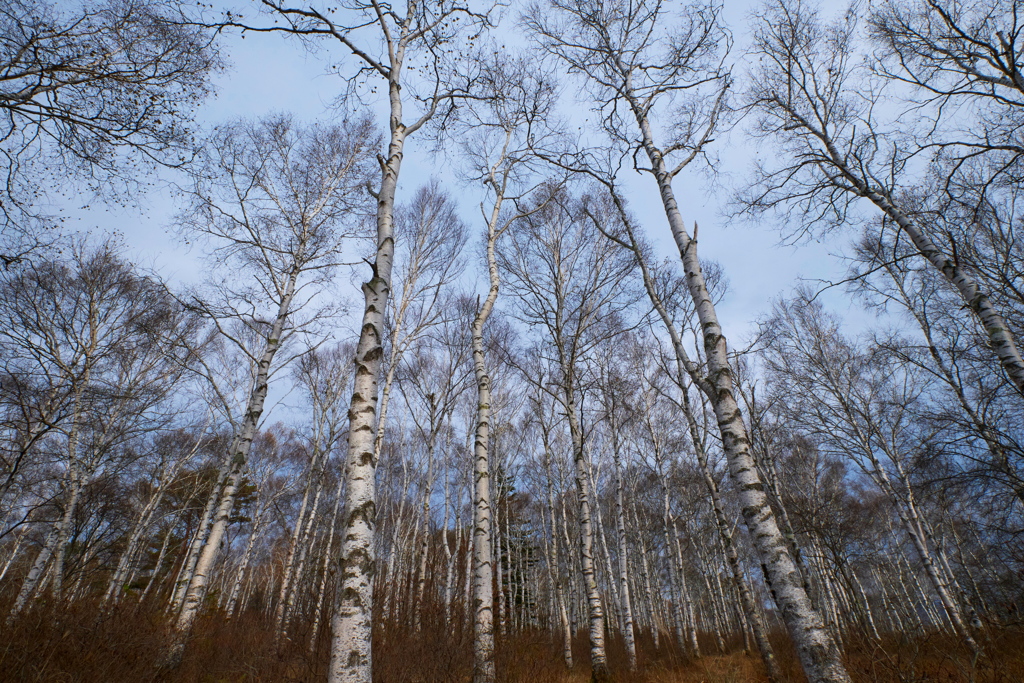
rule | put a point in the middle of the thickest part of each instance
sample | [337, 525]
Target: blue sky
[269, 73]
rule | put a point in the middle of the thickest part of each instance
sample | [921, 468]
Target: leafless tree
[278, 203]
[92, 92]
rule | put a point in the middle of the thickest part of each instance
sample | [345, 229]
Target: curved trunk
[1000, 336]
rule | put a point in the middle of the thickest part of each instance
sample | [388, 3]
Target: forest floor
[74, 645]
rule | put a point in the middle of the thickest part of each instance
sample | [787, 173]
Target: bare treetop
[79, 84]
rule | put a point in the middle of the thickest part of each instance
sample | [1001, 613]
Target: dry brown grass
[73, 645]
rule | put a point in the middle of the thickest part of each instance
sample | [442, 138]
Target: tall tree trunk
[77, 474]
[424, 553]
[188, 566]
[817, 651]
[325, 569]
[753, 618]
[242, 442]
[1000, 337]
[553, 568]
[157, 564]
[595, 609]
[620, 528]
[35, 573]
[314, 475]
[351, 626]
[236, 586]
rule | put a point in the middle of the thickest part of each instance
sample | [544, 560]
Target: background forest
[433, 384]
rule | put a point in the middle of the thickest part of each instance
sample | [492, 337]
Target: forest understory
[71, 644]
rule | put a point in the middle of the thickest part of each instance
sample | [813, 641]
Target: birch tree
[390, 43]
[277, 202]
[505, 125]
[569, 281]
[638, 63]
[836, 149]
[853, 397]
[317, 373]
[97, 340]
[92, 93]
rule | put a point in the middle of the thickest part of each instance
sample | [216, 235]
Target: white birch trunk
[352, 628]
[196, 592]
[324, 570]
[595, 609]
[293, 546]
[620, 528]
[35, 573]
[1000, 337]
[157, 564]
[818, 654]
[188, 566]
[236, 587]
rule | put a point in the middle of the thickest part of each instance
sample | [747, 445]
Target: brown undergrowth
[74, 645]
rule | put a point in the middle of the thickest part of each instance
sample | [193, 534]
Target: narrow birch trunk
[64, 526]
[613, 586]
[236, 586]
[14, 553]
[866, 606]
[690, 614]
[483, 570]
[128, 557]
[595, 609]
[324, 570]
[449, 577]
[314, 473]
[35, 573]
[499, 565]
[1000, 337]
[553, 567]
[305, 546]
[196, 592]
[157, 564]
[817, 651]
[424, 553]
[620, 528]
[188, 566]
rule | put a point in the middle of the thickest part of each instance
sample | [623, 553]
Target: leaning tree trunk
[242, 443]
[188, 566]
[850, 178]
[732, 557]
[816, 649]
[58, 537]
[236, 587]
[35, 574]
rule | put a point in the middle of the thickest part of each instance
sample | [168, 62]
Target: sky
[268, 74]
